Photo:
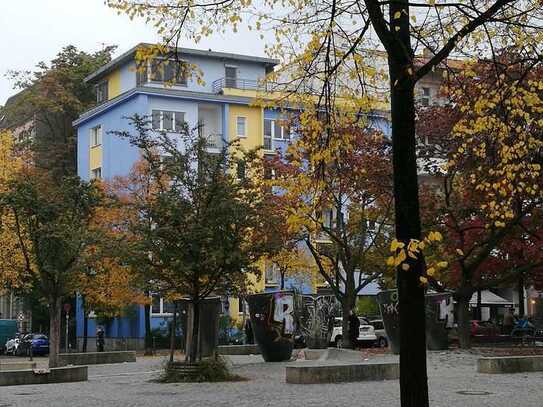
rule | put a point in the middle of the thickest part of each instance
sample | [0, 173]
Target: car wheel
[382, 343]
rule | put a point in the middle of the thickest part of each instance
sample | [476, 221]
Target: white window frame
[161, 308]
[96, 136]
[245, 121]
[275, 275]
[426, 97]
[161, 120]
[94, 175]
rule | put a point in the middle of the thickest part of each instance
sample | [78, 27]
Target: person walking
[354, 327]
[100, 339]
[508, 322]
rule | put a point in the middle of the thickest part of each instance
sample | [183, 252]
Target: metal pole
[67, 323]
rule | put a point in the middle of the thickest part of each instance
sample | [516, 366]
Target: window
[270, 274]
[426, 97]
[173, 122]
[159, 306]
[96, 136]
[171, 71]
[96, 173]
[241, 305]
[241, 126]
[230, 76]
[276, 130]
[241, 169]
[101, 92]
[268, 134]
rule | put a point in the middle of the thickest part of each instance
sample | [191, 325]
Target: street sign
[67, 308]
[21, 316]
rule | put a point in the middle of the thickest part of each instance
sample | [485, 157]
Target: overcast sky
[35, 30]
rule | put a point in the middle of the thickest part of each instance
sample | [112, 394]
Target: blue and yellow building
[217, 94]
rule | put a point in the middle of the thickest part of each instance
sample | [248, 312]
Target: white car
[366, 332]
[11, 346]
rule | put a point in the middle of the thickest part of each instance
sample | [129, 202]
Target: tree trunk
[413, 375]
[195, 341]
[521, 309]
[85, 330]
[55, 306]
[464, 321]
[172, 332]
[347, 306]
[282, 281]
[148, 337]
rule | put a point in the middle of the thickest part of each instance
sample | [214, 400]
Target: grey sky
[35, 30]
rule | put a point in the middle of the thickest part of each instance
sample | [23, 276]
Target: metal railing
[214, 140]
[238, 83]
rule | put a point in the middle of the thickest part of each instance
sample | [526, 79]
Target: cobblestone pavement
[453, 382]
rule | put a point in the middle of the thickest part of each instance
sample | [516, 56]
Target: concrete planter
[54, 375]
[96, 358]
[438, 318]
[317, 320]
[510, 364]
[273, 323]
[17, 365]
[342, 373]
[238, 350]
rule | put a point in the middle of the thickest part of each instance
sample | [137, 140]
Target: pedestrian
[354, 327]
[100, 339]
[249, 337]
[508, 322]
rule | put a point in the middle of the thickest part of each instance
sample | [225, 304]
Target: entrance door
[230, 75]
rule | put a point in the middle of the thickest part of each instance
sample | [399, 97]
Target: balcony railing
[238, 83]
[214, 140]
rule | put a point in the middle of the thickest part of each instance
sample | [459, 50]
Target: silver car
[380, 333]
[12, 345]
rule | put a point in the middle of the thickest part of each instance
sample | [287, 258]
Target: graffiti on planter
[316, 319]
[284, 311]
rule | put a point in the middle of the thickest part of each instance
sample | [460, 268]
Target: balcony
[237, 83]
[214, 141]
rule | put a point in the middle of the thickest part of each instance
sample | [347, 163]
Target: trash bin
[439, 317]
[317, 320]
[273, 322]
[210, 309]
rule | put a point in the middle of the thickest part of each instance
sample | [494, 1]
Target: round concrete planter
[273, 323]
[317, 320]
[437, 319]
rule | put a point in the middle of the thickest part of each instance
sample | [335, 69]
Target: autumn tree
[196, 220]
[50, 99]
[51, 224]
[482, 151]
[316, 39]
[337, 200]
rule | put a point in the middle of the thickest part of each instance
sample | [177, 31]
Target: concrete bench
[96, 358]
[510, 364]
[54, 375]
[342, 373]
[238, 350]
[17, 365]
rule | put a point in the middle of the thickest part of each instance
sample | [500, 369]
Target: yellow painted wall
[254, 123]
[114, 84]
[95, 159]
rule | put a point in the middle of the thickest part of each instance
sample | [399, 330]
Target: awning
[489, 298]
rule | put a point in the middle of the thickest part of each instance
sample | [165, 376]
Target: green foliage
[51, 97]
[366, 306]
[190, 221]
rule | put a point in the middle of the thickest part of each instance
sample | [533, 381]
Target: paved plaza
[453, 382]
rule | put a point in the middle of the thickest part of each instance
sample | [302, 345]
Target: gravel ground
[453, 382]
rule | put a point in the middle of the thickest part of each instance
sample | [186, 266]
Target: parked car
[39, 344]
[12, 345]
[366, 332]
[380, 333]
